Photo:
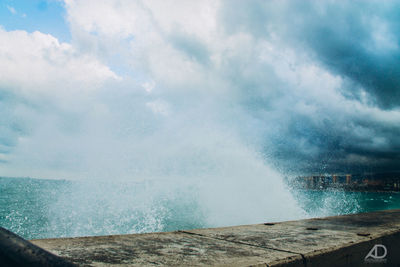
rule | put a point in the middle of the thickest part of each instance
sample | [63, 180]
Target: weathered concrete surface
[171, 249]
[331, 241]
[344, 240]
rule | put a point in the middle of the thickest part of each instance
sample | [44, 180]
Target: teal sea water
[36, 208]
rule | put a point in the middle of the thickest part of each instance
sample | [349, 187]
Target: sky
[123, 88]
[47, 16]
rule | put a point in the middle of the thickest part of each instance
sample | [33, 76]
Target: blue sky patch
[46, 16]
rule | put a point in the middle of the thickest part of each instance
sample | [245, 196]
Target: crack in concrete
[247, 244]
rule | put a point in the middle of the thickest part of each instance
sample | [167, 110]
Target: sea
[39, 208]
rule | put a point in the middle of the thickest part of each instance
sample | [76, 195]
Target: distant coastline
[369, 182]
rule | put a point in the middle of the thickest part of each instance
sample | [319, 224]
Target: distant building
[356, 182]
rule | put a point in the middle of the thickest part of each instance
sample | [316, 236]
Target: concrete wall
[332, 241]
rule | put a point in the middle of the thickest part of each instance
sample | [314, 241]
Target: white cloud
[39, 63]
[151, 30]
[12, 10]
[42, 82]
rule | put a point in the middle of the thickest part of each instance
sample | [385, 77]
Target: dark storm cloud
[358, 41]
[192, 47]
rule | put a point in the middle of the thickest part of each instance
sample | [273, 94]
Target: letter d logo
[375, 254]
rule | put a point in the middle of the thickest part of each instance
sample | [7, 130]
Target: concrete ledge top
[331, 241]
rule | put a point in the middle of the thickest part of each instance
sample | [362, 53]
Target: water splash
[321, 203]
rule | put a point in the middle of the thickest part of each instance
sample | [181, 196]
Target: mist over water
[37, 208]
[124, 207]
[208, 179]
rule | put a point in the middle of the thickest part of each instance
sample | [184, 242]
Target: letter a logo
[374, 252]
